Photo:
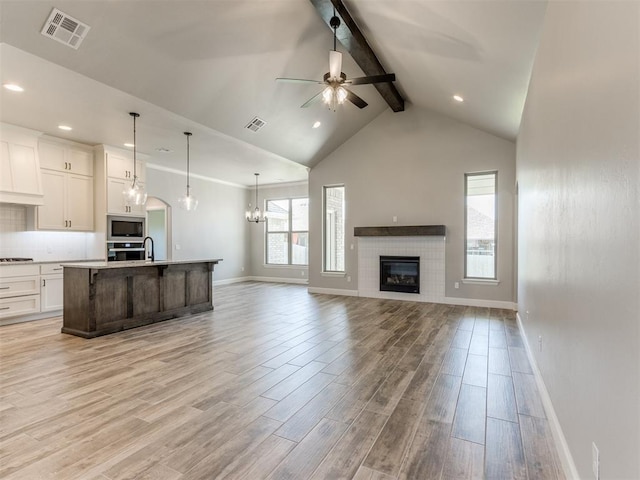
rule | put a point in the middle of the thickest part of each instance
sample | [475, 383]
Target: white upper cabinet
[116, 204]
[67, 179]
[64, 158]
[122, 167]
[19, 166]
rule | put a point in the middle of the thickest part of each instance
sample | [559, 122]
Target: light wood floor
[277, 383]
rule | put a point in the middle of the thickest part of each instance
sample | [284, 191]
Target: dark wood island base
[107, 297]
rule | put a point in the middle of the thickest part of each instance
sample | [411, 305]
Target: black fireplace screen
[400, 274]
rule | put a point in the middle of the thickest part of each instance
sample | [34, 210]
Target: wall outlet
[302, 272]
[395, 219]
[456, 285]
[349, 278]
[177, 246]
[242, 269]
[595, 460]
[351, 246]
[540, 342]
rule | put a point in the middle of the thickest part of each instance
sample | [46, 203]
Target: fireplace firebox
[400, 274]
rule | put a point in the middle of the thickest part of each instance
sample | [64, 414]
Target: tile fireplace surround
[427, 242]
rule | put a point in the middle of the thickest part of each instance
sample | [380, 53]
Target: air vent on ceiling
[255, 124]
[65, 29]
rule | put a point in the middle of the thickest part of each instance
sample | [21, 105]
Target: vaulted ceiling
[209, 66]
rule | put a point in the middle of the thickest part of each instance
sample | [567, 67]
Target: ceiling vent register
[65, 29]
[255, 124]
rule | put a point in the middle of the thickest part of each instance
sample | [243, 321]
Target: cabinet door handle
[5, 308]
[65, 166]
[44, 282]
[69, 165]
[66, 223]
[5, 288]
[56, 269]
[69, 223]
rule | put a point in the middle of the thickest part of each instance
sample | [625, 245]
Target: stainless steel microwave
[125, 228]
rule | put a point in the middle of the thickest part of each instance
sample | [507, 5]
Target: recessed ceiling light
[13, 87]
[316, 125]
[66, 128]
[458, 98]
[129, 145]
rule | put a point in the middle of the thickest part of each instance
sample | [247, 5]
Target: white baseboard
[467, 302]
[333, 291]
[476, 302]
[228, 281]
[566, 459]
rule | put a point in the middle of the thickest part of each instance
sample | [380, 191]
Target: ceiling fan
[336, 91]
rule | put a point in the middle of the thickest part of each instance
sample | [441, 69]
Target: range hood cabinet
[20, 181]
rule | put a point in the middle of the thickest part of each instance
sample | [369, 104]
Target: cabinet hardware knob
[65, 166]
[44, 282]
[5, 288]
[5, 308]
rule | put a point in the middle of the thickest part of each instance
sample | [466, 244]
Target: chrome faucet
[144, 245]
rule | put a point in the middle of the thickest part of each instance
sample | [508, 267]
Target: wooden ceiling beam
[354, 42]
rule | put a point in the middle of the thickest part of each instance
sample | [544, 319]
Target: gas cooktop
[15, 259]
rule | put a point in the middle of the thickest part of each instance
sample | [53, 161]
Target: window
[480, 225]
[333, 204]
[287, 231]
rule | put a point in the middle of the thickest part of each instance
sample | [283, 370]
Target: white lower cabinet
[19, 290]
[51, 287]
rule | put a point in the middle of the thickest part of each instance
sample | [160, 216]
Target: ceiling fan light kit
[335, 92]
[135, 194]
[255, 215]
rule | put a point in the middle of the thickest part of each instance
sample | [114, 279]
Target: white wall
[412, 165]
[579, 231]
[257, 233]
[216, 229]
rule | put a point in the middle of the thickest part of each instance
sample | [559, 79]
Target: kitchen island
[107, 297]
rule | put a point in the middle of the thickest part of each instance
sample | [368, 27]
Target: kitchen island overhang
[107, 297]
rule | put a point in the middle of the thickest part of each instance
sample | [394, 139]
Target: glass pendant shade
[135, 194]
[187, 201]
[255, 215]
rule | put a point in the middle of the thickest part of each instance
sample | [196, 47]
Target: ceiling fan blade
[356, 100]
[335, 64]
[388, 77]
[298, 80]
[315, 99]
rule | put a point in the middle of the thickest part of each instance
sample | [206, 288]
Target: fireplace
[400, 274]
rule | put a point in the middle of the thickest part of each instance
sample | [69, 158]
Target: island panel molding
[400, 231]
[107, 297]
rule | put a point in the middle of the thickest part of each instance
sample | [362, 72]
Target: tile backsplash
[17, 241]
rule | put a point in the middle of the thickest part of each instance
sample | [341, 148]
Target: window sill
[480, 281]
[333, 274]
[273, 265]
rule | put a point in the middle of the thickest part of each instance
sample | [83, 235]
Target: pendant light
[135, 194]
[187, 201]
[255, 215]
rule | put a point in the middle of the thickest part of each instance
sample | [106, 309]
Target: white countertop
[134, 263]
[47, 262]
